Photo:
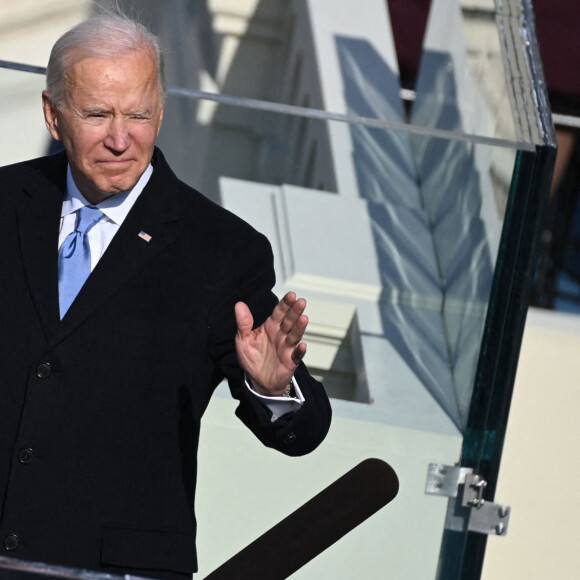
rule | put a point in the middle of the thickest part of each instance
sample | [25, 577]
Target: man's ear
[50, 116]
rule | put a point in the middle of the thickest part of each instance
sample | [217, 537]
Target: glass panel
[400, 222]
[462, 84]
[462, 553]
[423, 254]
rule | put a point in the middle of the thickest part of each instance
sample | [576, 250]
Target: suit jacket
[100, 412]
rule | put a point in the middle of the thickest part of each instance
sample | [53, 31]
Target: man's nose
[118, 138]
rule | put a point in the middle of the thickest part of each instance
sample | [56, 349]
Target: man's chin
[116, 184]
[99, 192]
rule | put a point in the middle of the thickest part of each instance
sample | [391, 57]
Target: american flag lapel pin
[144, 236]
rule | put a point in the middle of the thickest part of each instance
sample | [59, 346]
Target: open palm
[270, 353]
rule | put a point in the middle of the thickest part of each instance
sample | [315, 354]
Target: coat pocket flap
[149, 549]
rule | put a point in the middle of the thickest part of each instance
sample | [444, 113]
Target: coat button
[11, 542]
[290, 437]
[43, 370]
[26, 455]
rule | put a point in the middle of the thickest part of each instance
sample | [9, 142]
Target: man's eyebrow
[105, 110]
[89, 110]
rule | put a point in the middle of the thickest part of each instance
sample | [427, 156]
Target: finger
[282, 308]
[244, 319]
[299, 353]
[296, 332]
[293, 315]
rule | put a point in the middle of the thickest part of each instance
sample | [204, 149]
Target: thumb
[244, 319]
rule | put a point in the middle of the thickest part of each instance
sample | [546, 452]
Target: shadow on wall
[424, 202]
[454, 176]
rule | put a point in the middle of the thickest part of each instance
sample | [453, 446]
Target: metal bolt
[503, 511]
[477, 503]
[500, 529]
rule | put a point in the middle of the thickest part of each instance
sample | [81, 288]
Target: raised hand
[270, 353]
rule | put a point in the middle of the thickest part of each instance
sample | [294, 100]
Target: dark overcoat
[100, 412]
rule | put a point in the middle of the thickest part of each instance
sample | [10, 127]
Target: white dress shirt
[115, 210]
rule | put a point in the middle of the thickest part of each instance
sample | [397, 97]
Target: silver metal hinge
[485, 517]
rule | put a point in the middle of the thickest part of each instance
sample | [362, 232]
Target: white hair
[100, 37]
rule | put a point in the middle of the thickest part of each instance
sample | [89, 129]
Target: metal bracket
[485, 517]
[445, 479]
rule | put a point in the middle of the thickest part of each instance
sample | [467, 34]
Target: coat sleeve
[249, 277]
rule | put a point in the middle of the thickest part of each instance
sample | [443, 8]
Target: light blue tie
[74, 257]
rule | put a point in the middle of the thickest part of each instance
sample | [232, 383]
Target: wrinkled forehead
[129, 75]
[144, 58]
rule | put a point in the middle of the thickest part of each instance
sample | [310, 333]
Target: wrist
[287, 390]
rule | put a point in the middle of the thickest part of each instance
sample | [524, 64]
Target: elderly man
[127, 297]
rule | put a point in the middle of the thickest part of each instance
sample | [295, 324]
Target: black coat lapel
[38, 216]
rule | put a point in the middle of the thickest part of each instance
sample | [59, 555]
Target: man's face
[110, 120]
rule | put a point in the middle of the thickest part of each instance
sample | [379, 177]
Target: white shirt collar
[115, 207]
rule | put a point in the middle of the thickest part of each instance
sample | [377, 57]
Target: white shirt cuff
[280, 405]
